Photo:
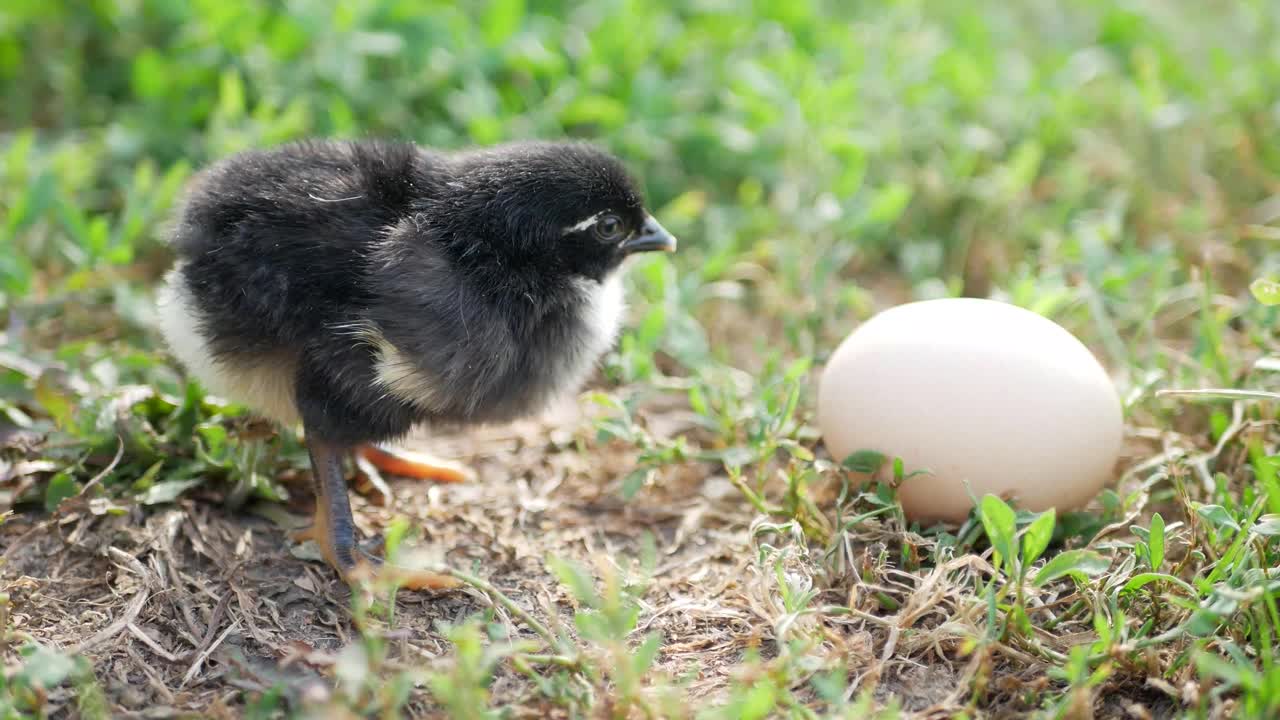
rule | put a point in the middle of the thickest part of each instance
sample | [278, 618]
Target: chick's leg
[414, 465]
[337, 418]
[333, 528]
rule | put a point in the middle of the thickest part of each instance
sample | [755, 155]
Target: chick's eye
[609, 228]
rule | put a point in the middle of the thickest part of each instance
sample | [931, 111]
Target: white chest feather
[602, 314]
[602, 307]
[266, 384]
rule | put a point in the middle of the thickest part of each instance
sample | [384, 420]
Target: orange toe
[417, 466]
[320, 531]
[418, 579]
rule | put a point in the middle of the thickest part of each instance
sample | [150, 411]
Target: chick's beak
[651, 237]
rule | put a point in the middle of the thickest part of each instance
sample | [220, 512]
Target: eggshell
[975, 391]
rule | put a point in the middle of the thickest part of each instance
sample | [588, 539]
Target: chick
[362, 288]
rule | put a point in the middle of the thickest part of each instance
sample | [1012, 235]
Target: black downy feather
[458, 260]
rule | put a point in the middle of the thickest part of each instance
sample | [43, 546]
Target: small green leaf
[1217, 516]
[1268, 525]
[888, 203]
[188, 413]
[592, 625]
[1018, 616]
[215, 438]
[502, 20]
[149, 476]
[649, 331]
[231, 95]
[150, 76]
[686, 207]
[167, 491]
[1000, 523]
[31, 204]
[395, 534]
[635, 480]
[1209, 664]
[1037, 537]
[54, 400]
[1265, 291]
[377, 44]
[796, 450]
[1080, 563]
[864, 461]
[831, 686]
[576, 579]
[224, 458]
[60, 487]
[1142, 579]
[759, 701]
[646, 653]
[599, 110]
[698, 400]
[1203, 623]
[46, 668]
[737, 456]
[899, 471]
[1142, 551]
[1021, 171]
[1157, 541]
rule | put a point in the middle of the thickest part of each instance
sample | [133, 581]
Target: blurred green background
[1029, 149]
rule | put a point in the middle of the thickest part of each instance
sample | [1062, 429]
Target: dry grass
[196, 608]
[186, 607]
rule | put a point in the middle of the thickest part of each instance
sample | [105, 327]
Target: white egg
[978, 392]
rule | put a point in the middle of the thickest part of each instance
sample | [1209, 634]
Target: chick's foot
[333, 530]
[414, 465]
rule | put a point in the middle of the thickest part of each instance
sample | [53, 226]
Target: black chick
[364, 287]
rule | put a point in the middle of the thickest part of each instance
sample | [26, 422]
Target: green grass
[1112, 165]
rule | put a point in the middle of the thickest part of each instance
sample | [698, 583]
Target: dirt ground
[185, 607]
